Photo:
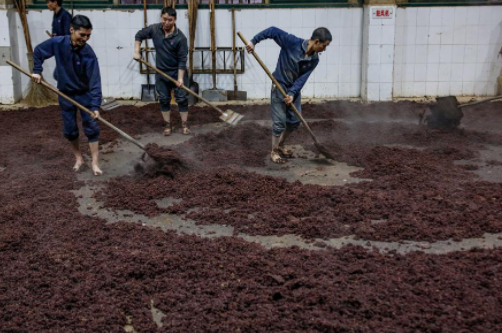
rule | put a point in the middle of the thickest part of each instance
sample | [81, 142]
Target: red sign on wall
[382, 12]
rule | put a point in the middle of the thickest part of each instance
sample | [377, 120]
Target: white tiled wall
[6, 79]
[4, 29]
[378, 55]
[435, 51]
[338, 73]
[38, 21]
[443, 51]
[15, 42]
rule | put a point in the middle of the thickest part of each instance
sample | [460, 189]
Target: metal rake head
[231, 117]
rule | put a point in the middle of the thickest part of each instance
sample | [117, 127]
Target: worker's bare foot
[286, 153]
[168, 129]
[275, 156]
[78, 164]
[96, 170]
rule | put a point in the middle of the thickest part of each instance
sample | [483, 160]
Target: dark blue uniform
[78, 77]
[61, 23]
[293, 68]
[170, 55]
[292, 72]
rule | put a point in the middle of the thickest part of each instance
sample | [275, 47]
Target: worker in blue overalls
[61, 20]
[297, 60]
[78, 77]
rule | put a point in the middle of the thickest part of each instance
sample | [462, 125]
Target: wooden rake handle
[481, 101]
[281, 89]
[212, 28]
[158, 71]
[80, 106]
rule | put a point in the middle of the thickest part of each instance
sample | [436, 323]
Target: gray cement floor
[308, 169]
[486, 171]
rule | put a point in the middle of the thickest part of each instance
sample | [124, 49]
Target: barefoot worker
[171, 50]
[78, 77]
[297, 59]
[61, 20]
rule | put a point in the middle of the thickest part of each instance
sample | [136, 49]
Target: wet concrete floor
[489, 164]
[307, 168]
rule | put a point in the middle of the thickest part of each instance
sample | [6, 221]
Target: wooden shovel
[228, 116]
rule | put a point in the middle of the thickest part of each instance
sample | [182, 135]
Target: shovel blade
[215, 95]
[109, 104]
[148, 93]
[231, 117]
[324, 151]
[444, 114]
[238, 95]
[145, 163]
[194, 86]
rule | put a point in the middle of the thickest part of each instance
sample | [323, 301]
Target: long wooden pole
[212, 28]
[234, 50]
[182, 86]
[145, 25]
[21, 9]
[80, 106]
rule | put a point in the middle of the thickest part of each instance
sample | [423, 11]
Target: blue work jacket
[76, 67]
[293, 68]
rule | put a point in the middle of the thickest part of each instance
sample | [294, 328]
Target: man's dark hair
[60, 2]
[81, 21]
[322, 34]
[169, 11]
